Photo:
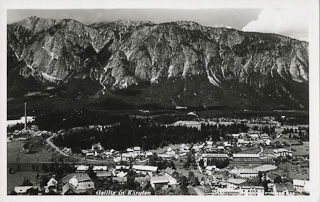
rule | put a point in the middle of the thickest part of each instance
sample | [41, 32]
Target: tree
[260, 176]
[277, 179]
[201, 163]
[26, 182]
[45, 168]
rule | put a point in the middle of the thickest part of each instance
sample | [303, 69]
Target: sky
[288, 22]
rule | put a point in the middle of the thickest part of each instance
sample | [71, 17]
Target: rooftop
[159, 179]
[145, 168]
[236, 180]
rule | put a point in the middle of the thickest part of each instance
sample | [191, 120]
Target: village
[244, 164]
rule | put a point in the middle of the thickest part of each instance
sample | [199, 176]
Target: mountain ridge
[125, 54]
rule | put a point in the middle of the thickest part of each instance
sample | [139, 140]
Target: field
[15, 154]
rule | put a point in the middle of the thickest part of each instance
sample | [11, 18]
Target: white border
[311, 5]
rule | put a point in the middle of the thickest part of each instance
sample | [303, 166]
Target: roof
[22, 189]
[136, 148]
[52, 182]
[120, 179]
[159, 179]
[83, 186]
[164, 155]
[145, 168]
[82, 168]
[81, 177]
[66, 178]
[215, 156]
[252, 187]
[65, 188]
[122, 167]
[170, 171]
[129, 155]
[244, 170]
[265, 168]
[245, 155]
[280, 150]
[298, 182]
[280, 186]
[100, 168]
[142, 179]
[104, 174]
[236, 180]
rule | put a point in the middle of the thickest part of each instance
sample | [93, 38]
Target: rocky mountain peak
[228, 64]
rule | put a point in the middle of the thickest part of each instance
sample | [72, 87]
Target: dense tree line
[145, 133]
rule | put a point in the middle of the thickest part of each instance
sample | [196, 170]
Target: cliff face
[183, 63]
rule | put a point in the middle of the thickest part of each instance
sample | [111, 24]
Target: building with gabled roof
[161, 181]
[283, 189]
[252, 191]
[81, 183]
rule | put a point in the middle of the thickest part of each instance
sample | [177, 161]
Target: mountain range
[141, 63]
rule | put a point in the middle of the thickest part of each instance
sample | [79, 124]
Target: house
[208, 156]
[137, 151]
[227, 144]
[121, 180]
[264, 136]
[164, 156]
[267, 142]
[265, 168]
[67, 151]
[104, 174]
[209, 144]
[159, 182]
[146, 170]
[82, 168]
[52, 186]
[97, 146]
[221, 148]
[148, 154]
[81, 183]
[252, 191]
[235, 136]
[246, 173]
[234, 183]
[228, 192]
[254, 136]
[299, 185]
[282, 152]
[99, 168]
[127, 156]
[283, 189]
[209, 169]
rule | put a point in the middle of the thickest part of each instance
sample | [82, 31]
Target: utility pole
[25, 116]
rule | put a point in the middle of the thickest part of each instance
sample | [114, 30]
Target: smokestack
[25, 116]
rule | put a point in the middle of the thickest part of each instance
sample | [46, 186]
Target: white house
[252, 191]
[81, 183]
[99, 168]
[246, 173]
[282, 152]
[97, 146]
[147, 170]
[137, 150]
[82, 168]
[299, 185]
[234, 183]
[161, 181]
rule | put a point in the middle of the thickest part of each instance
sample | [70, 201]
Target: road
[48, 140]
